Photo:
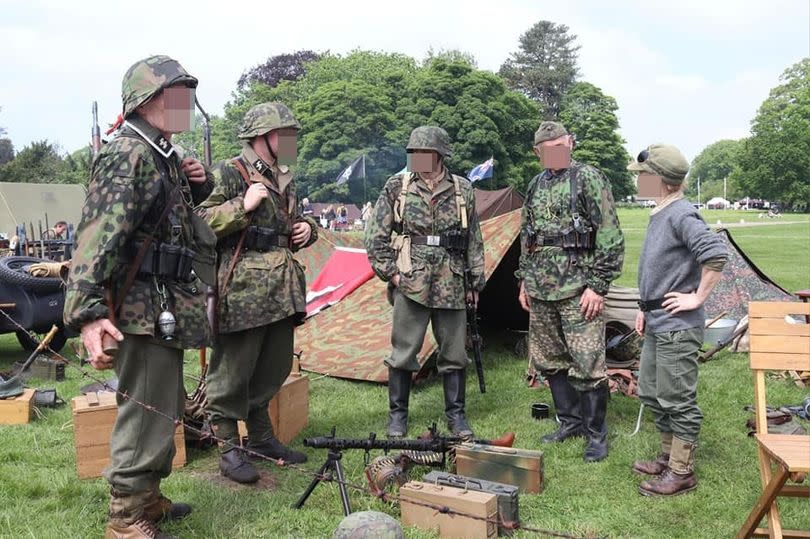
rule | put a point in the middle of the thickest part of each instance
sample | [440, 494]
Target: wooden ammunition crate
[18, 410]
[93, 419]
[288, 409]
[470, 502]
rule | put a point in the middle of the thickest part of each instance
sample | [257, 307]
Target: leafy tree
[450, 55]
[545, 67]
[38, 163]
[290, 66]
[591, 116]
[715, 162]
[6, 151]
[775, 160]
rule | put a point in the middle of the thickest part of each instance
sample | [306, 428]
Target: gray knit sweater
[677, 244]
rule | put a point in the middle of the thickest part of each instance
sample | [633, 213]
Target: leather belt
[432, 241]
[651, 305]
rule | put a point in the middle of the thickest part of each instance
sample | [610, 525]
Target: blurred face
[424, 161]
[555, 154]
[171, 111]
[280, 145]
[60, 228]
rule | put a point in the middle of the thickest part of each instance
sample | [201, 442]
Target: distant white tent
[718, 203]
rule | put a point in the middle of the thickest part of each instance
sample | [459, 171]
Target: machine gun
[429, 449]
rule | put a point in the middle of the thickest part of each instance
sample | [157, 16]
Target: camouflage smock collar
[268, 170]
[151, 135]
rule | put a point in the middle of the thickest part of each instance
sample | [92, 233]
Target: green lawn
[41, 497]
[780, 248]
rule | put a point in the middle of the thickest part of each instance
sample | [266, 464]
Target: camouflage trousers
[410, 325]
[142, 442]
[247, 369]
[561, 339]
[667, 381]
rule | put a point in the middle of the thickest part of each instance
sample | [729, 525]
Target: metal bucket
[720, 331]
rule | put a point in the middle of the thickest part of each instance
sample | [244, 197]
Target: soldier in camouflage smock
[431, 214]
[140, 189]
[571, 250]
[262, 294]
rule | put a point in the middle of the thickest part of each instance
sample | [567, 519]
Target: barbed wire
[326, 477]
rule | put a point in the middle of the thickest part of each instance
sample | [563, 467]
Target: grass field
[40, 496]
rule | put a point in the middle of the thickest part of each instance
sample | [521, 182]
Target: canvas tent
[24, 203]
[489, 204]
[351, 338]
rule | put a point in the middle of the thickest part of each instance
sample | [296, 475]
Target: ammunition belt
[165, 261]
[258, 238]
[571, 241]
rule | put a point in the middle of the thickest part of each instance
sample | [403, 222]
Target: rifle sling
[136, 263]
[238, 250]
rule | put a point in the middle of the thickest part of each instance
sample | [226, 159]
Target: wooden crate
[288, 409]
[470, 502]
[18, 410]
[93, 419]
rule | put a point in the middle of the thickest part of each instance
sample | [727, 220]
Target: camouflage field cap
[368, 525]
[266, 117]
[428, 137]
[549, 131]
[665, 160]
[148, 77]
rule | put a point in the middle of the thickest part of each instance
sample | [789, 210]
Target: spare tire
[13, 271]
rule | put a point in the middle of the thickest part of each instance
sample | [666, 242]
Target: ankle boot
[566, 405]
[594, 411]
[161, 508]
[262, 439]
[661, 462]
[679, 478]
[233, 462]
[128, 520]
[399, 393]
[455, 397]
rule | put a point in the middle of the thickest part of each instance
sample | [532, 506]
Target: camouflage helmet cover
[266, 117]
[428, 137]
[148, 77]
[367, 525]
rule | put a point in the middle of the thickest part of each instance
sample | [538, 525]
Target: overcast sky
[688, 72]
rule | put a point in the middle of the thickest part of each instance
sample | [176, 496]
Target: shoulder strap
[461, 204]
[399, 207]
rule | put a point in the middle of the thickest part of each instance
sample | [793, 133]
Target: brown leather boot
[142, 528]
[669, 484]
[652, 467]
[679, 478]
[161, 508]
[661, 462]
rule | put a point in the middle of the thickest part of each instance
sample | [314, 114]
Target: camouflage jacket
[125, 199]
[550, 273]
[437, 276]
[265, 286]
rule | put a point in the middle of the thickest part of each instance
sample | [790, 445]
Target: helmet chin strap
[270, 151]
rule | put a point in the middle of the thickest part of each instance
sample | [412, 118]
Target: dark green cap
[664, 160]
